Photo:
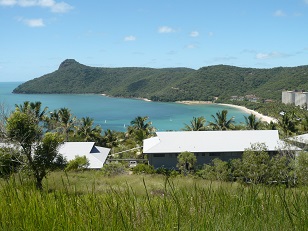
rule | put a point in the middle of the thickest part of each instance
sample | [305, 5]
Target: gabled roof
[300, 138]
[210, 141]
[95, 154]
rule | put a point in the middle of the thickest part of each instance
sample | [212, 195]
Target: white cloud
[7, 2]
[55, 7]
[165, 29]
[270, 55]
[211, 34]
[194, 34]
[61, 7]
[32, 22]
[306, 1]
[279, 13]
[191, 46]
[130, 38]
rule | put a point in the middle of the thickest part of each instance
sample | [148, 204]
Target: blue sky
[37, 35]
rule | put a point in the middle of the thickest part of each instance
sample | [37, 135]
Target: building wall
[169, 160]
[301, 98]
[288, 97]
[297, 98]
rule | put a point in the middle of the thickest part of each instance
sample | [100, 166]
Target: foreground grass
[88, 201]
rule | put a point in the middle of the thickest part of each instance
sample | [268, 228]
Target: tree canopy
[169, 84]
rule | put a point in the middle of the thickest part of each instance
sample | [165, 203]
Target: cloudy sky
[37, 35]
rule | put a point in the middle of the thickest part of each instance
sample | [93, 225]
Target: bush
[113, 169]
[10, 161]
[77, 164]
[256, 164]
[143, 168]
[301, 168]
[218, 170]
[167, 172]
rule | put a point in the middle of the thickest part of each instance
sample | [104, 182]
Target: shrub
[9, 161]
[256, 164]
[113, 169]
[77, 164]
[186, 162]
[217, 170]
[143, 168]
[301, 168]
[166, 172]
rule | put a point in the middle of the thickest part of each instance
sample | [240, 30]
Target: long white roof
[96, 155]
[210, 141]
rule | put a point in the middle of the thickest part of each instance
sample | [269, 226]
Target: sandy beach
[190, 102]
[260, 116]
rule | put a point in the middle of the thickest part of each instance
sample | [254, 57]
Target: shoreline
[144, 99]
[260, 116]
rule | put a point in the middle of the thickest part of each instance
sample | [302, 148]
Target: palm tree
[110, 139]
[141, 123]
[34, 108]
[251, 122]
[196, 124]
[221, 122]
[67, 122]
[288, 123]
[86, 130]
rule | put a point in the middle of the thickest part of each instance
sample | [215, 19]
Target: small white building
[162, 150]
[95, 154]
[301, 141]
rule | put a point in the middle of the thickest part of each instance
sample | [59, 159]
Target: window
[214, 154]
[159, 155]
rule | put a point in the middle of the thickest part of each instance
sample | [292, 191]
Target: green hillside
[169, 84]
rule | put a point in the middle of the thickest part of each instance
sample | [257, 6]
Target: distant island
[221, 82]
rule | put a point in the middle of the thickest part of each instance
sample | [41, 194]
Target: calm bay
[116, 113]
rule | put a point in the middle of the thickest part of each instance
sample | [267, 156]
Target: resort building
[162, 150]
[95, 154]
[298, 98]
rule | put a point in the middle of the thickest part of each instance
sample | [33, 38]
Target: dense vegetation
[89, 201]
[169, 84]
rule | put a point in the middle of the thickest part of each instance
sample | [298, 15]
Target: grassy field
[89, 201]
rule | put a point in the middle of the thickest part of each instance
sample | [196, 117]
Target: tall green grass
[149, 203]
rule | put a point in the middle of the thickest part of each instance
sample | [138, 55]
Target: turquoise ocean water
[116, 113]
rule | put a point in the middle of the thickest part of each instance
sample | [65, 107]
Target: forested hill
[169, 84]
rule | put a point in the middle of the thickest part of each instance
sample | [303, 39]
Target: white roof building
[95, 154]
[163, 149]
[210, 141]
[300, 138]
[300, 141]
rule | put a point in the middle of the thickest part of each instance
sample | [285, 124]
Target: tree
[288, 123]
[196, 124]
[86, 131]
[77, 164]
[142, 123]
[186, 161]
[33, 108]
[38, 149]
[110, 139]
[63, 121]
[221, 122]
[251, 122]
[217, 170]
[256, 164]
